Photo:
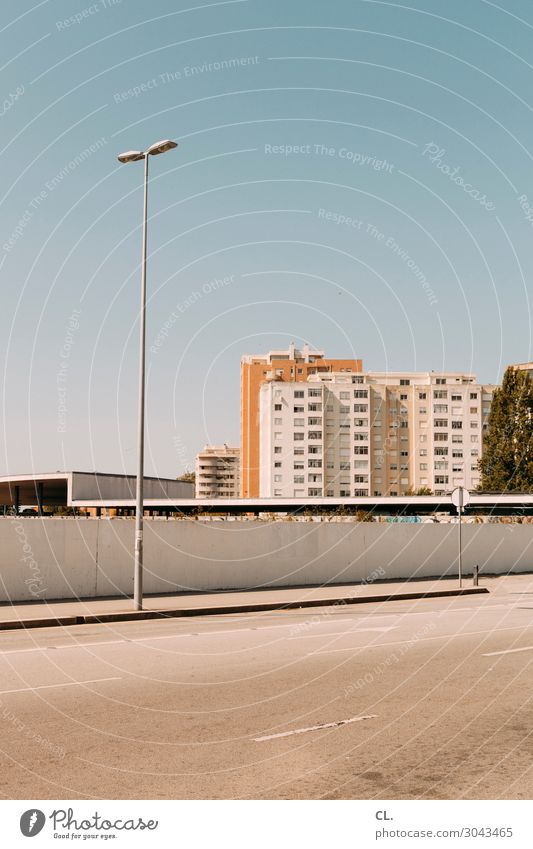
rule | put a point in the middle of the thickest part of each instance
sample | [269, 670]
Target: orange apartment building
[290, 365]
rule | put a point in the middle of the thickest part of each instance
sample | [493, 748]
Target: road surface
[408, 700]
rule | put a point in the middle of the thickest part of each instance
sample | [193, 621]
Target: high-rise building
[343, 435]
[217, 472]
[276, 367]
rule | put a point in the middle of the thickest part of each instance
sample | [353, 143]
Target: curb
[254, 607]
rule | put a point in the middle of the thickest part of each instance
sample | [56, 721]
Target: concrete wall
[68, 558]
[92, 485]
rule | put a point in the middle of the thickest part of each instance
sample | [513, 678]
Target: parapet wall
[62, 558]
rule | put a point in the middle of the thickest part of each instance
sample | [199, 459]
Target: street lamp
[135, 156]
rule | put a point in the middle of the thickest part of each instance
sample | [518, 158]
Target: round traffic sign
[460, 497]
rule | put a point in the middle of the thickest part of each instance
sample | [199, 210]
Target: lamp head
[161, 147]
[131, 156]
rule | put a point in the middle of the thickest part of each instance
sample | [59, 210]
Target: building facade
[276, 367]
[218, 472]
[342, 435]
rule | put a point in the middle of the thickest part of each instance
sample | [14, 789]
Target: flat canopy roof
[93, 488]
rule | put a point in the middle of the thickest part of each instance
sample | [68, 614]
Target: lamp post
[135, 156]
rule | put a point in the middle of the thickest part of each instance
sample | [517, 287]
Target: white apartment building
[218, 472]
[342, 435]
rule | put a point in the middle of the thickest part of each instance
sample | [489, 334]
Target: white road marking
[508, 651]
[292, 625]
[64, 684]
[352, 631]
[416, 640]
[314, 728]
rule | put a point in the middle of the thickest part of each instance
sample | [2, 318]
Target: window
[277, 492]
[404, 453]
[457, 437]
[360, 492]
[403, 397]
[277, 449]
[423, 452]
[315, 434]
[329, 493]
[404, 381]
[277, 435]
[298, 451]
[314, 407]
[441, 437]
[299, 464]
[298, 437]
[312, 491]
[441, 479]
[344, 466]
[422, 411]
[277, 478]
[360, 422]
[299, 478]
[360, 393]
[314, 449]
[278, 421]
[393, 467]
[360, 449]
[345, 396]
[360, 478]
[474, 438]
[344, 410]
[441, 452]
[360, 437]
[360, 408]
[314, 478]
[457, 467]
[314, 421]
[314, 393]
[299, 393]
[422, 396]
[298, 408]
[440, 393]
[277, 407]
[473, 396]
[441, 423]
[423, 467]
[314, 464]
[440, 465]
[440, 380]
[457, 425]
[440, 408]
[457, 453]
[360, 464]
[404, 424]
[277, 465]
[474, 424]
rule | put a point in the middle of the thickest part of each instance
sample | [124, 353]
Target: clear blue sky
[396, 230]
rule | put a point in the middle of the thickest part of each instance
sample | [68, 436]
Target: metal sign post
[460, 498]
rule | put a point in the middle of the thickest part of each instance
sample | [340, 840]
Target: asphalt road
[438, 694]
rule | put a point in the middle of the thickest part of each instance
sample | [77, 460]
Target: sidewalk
[89, 611]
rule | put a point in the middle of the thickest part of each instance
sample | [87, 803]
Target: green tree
[506, 464]
[188, 477]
